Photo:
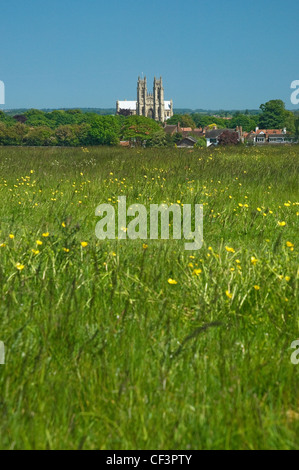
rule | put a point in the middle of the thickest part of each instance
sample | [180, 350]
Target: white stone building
[151, 105]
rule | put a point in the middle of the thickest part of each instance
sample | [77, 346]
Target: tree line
[73, 128]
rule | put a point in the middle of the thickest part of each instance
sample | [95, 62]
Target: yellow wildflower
[196, 272]
[20, 266]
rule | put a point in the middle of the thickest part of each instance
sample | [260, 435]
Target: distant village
[213, 136]
[154, 106]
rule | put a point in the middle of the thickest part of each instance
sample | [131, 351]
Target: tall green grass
[101, 351]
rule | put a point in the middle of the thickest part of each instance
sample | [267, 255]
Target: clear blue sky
[211, 54]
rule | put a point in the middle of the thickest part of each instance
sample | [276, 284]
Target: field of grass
[103, 350]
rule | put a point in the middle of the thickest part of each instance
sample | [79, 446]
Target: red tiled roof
[269, 131]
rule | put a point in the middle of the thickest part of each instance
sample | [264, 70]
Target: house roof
[187, 140]
[186, 129]
[170, 128]
[197, 132]
[217, 132]
[124, 143]
[269, 131]
[214, 133]
[190, 138]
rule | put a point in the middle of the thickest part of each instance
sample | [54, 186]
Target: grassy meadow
[142, 344]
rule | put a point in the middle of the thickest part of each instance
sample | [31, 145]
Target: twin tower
[151, 105]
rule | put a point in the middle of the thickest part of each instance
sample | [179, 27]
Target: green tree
[40, 136]
[248, 124]
[139, 129]
[289, 122]
[12, 135]
[6, 118]
[275, 116]
[202, 120]
[67, 136]
[158, 139]
[185, 120]
[201, 142]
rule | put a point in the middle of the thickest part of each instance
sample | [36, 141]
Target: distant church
[151, 105]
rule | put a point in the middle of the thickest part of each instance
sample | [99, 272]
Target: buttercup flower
[196, 272]
[20, 266]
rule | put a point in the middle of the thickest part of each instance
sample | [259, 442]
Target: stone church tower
[150, 105]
